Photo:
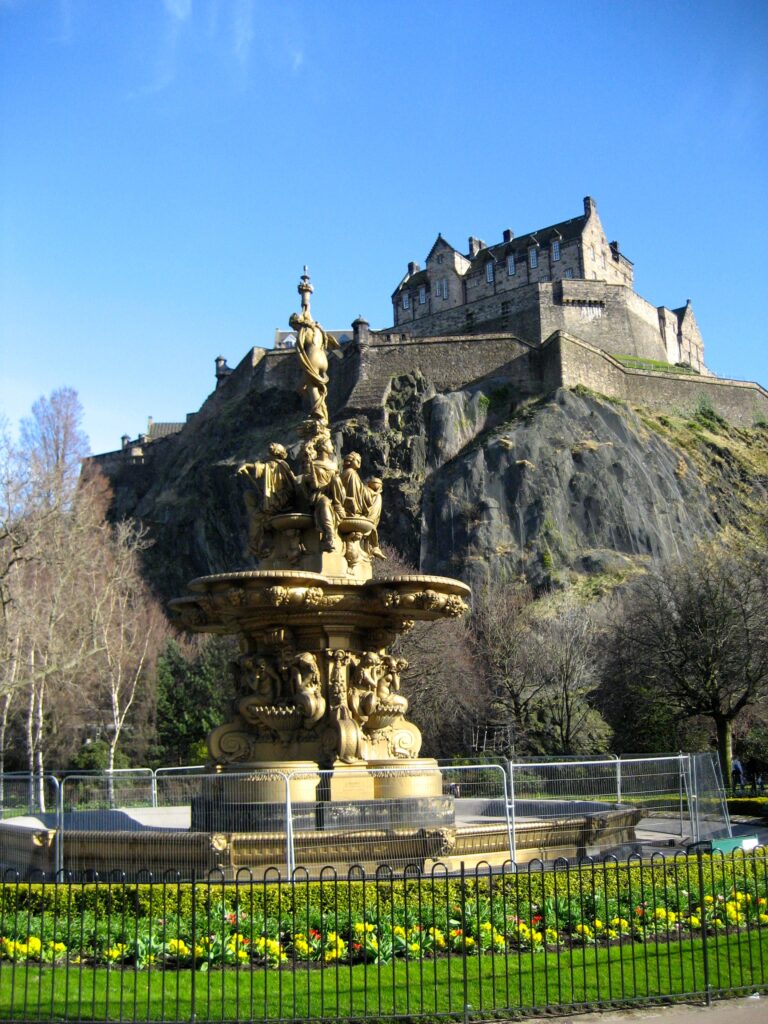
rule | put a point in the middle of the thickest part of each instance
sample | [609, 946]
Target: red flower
[536, 919]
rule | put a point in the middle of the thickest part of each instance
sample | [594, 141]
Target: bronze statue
[312, 345]
[273, 489]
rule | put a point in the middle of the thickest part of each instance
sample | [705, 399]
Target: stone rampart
[449, 363]
[568, 362]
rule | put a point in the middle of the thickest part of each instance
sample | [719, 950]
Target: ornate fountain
[318, 686]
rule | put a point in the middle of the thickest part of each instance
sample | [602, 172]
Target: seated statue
[322, 489]
[273, 489]
[362, 500]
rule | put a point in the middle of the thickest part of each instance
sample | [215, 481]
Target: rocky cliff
[478, 479]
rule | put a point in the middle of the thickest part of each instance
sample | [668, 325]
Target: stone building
[566, 277]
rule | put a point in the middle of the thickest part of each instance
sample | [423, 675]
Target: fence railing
[371, 946]
[544, 809]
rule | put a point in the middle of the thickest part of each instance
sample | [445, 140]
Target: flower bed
[213, 926]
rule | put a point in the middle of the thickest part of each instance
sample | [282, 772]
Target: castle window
[422, 294]
[489, 272]
[440, 258]
[511, 264]
[592, 252]
[406, 300]
[555, 250]
[602, 260]
[504, 308]
[442, 288]
[533, 257]
[569, 273]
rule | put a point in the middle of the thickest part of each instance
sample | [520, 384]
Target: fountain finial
[305, 289]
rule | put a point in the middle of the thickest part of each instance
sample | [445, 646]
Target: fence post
[704, 946]
[154, 787]
[58, 839]
[680, 778]
[464, 966]
[618, 779]
[694, 798]
[511, 814]
[289, 851]
[193, 972]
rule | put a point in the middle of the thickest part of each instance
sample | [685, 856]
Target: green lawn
[502, 982]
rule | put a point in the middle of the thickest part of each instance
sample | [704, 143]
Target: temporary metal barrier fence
[372, 947]
[397, 816]
[93, 821]
[672, 797]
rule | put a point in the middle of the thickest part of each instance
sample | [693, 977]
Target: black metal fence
[483, 943]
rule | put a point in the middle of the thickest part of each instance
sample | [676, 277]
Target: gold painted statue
[316, 682]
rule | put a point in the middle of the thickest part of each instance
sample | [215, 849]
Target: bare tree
[564, 660]
[128, 627]
[52, 441]
[443, 682]
[694, 634]
[501, 642]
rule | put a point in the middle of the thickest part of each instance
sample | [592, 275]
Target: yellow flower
[177, 947]
[116, 952]
[762, 918]
[34, 945]
[598, 924]
[399, 931]
[694, 921]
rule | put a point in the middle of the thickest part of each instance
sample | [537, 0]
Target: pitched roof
[158, 430]
[564, 231]
[441, 243]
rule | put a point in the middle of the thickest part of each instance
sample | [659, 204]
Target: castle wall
[448, 362]
[609, 316]
[568, 362]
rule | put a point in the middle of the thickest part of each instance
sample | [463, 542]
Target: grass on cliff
[730, 460]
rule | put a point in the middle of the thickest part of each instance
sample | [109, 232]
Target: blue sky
[168, 166]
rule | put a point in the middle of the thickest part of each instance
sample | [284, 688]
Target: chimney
[508, 235]
[125, 440]
[475, 245]
[413, 268]
[590, 206]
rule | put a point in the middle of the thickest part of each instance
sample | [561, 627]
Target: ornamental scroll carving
[347, 702]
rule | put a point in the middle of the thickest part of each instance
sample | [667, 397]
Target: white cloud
[297, 59]
[179, 9]
[243, 28]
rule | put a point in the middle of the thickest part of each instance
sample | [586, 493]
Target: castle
[553, 308]
[566, 277]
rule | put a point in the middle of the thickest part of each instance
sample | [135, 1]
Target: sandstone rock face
[476, 480]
